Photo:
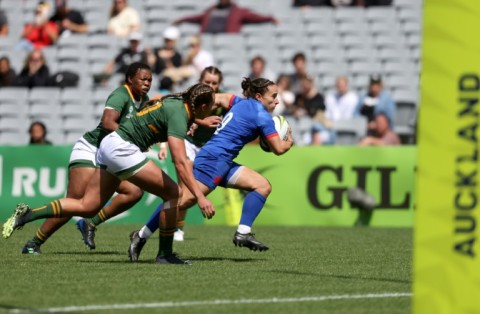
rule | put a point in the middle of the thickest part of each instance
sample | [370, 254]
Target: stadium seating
[351, 41]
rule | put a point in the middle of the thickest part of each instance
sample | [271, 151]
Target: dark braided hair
[195, 96]
[134, 68]
[252, 87]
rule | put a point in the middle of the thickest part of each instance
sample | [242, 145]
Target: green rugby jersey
[153, 124]
[121, 100]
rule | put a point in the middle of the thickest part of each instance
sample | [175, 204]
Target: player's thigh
[152, 179]
[99, 190]
[247, 179]
[188, 199]
[78, 179]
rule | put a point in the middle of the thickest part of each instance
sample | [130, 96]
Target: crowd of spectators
[311, 113]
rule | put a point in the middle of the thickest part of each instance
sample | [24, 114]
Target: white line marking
[127, 306]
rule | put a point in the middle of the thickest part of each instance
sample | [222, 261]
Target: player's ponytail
[257, 86]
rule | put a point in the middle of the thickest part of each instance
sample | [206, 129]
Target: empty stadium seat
[349, 132]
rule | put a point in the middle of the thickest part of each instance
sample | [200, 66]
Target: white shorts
[192, 150]
[83, 155]
[119, 157]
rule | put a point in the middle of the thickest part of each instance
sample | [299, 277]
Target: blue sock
[153, 222]
[252, 206]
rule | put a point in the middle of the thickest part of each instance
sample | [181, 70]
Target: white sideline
[128, 306]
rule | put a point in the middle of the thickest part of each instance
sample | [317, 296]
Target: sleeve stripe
[231, 101]
[272, 135]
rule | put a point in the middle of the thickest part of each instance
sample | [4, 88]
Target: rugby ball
[282, 127]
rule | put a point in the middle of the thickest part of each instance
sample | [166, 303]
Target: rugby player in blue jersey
[214, 166]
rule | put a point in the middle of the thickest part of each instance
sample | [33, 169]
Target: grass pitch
[306, 270]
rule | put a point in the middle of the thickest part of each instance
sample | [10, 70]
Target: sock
[50, 210]
[40, 236]
[167, 220]
[180, 224]
[243, 229]
[166, 241]
[152, 224]
[99, 218]
[252, 206]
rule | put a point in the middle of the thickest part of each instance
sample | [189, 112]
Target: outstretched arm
[185, 172]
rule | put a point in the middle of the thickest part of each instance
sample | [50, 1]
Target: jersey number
[228, 117]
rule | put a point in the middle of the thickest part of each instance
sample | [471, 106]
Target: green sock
[166, 242]
[40, 236]
[99, 218]
[50, 210]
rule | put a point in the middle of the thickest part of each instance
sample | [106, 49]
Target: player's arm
[185, 172]
[209, 122]
[223, 100]
[110, 119]
[279, 146]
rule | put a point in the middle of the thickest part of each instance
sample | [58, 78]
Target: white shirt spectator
[125, 22]
[341, 104]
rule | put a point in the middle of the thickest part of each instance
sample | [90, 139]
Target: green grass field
[307, 270]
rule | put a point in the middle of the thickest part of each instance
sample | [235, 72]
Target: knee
[135, 193]
[265, 188]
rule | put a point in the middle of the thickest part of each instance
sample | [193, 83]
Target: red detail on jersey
[217, 180]
[230, 102]
[272, 135]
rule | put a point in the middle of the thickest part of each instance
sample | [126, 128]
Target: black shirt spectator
[68, 20]
[35, 71]
[7, 74]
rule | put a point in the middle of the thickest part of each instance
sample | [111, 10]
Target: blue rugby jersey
[246, 120]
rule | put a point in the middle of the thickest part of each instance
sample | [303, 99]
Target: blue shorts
[213, 171]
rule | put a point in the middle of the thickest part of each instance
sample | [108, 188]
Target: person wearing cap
[123, 19]
[167, 56]
[68, 20]
[41, 32]
[128, 55]
[376, 101]
[226, 17]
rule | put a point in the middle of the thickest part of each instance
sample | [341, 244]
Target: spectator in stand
[375, 101]
[258, 69]
[68, 20]
[195, 61]
[383, 134]
[306, 4]
[226, 17]
[4, 26]
[38, 134]
[35, 71]
[299, 61]
[341, 104]
[286, 98]
[41, 32]
[310, 102]
[7, 74]
[166, 86]
[166, 57]
[371, 3]
[128, 55]
[123, 19]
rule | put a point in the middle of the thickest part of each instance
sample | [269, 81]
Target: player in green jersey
[119, 107]
[120, 158]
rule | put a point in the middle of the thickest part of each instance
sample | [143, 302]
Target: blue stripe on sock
[154, 221]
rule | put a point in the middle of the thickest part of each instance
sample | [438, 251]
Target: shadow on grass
[194, 259]
[297, 273]
[88, 252]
